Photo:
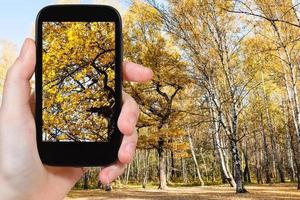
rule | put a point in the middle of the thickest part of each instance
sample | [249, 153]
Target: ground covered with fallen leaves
[260, 192]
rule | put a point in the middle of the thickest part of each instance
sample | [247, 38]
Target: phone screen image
[78, 81]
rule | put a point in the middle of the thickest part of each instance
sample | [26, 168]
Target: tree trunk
[213, 170]
[127, 173]
[276, 158]
[296, 161]
[168, 166]
[184, 171]
[162, 165]
[137, 164]
[173, 172]
[217, 143]
[257, 160]
[194, 157]
[291, 170]
[204, 164]
[272, 135]
[293, 102]
[238, 174]
[288, 144]
[146, 169]
[247, 177]
[266, 152]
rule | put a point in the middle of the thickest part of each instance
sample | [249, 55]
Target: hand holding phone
[78, 84]
[20, 163]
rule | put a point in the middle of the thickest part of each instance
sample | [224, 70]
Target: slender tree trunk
[217, 143]
[238, 174]
[204, 164]
[213, 169]
[146, 169]
[291, 169]
[288, 143]
[137, 164]
[296, 161]
[247, 177]
[194, 157]
[257, 160]
[275, 156]
[278, 163]
[127, 173]
[184, 171]
[173, 172]
[290, 78]
[266, 152]
[168, 166]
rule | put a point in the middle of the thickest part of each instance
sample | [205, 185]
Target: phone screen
[78, 81]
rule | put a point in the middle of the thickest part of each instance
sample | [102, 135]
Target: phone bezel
[78, 153]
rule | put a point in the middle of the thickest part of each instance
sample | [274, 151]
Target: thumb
[16, 93]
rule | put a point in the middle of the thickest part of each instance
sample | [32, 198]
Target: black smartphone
[78, 82]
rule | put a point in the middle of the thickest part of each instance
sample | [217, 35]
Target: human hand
[22, 174]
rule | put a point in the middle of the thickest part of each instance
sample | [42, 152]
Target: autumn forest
[223, 106]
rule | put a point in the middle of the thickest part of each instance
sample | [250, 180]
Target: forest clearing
[263, 192]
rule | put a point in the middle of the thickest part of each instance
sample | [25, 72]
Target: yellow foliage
[76, 103]
[8, 54]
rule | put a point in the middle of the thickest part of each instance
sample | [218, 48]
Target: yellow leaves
[148, 16]
[51, 74]
[46, 58]
[69, 92]
[180, 146]
[50, 118]
[110, 73]
[51, 91]
[97, 103]
[62, 137]
[7, 56]
[85, 70]
[181, 155]
[79, 76]
[71, 35]
[88, 92]
[75, 31]
[59, 98]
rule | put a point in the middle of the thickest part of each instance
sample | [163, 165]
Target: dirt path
[273, 192]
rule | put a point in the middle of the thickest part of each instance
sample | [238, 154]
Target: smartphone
[78, 84]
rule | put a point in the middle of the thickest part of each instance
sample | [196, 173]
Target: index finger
[135, 72]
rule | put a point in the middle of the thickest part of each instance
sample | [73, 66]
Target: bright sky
[17, 17]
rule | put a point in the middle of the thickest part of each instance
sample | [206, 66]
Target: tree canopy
[78, 80]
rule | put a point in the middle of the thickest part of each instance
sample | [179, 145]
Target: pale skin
[22, 174]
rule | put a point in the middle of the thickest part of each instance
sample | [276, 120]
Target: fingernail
[130, 148]
[23, 49]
